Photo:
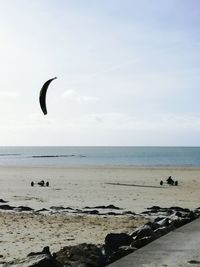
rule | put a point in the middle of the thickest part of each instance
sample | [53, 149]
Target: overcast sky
[128, 72]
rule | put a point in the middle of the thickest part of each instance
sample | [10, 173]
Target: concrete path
[179, 248]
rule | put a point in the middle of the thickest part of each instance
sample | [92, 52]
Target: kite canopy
[43, 93]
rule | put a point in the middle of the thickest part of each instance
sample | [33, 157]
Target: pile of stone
[116, 245]
[167, 219]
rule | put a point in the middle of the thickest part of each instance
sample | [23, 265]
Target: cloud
[73, 95]
[9, 94]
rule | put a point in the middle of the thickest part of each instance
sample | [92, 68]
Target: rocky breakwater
[116, 245]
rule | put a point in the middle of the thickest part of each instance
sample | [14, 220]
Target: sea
[99, 156]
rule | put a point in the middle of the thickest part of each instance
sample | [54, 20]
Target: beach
[128, 188]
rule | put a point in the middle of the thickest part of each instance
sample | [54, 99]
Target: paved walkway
[179, 248]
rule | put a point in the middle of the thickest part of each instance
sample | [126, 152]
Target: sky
[128, 72]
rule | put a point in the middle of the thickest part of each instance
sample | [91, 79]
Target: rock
[121, 252]
[57, 208]
[179, 209]
[6, 207]
[142, 242]
[3, 201]
[128, 213]
[115, 240]
[61, 208]
[162, 231]
[113, 213]
[41, 210]
[87, 255]
[180, 222]
[45, 250]
[158, 219]
[41, 260]
[111, 206]
[23, 208]
[154, 225]
[36, 259]
[95, 212]
[143, 231]
[164, 222]
[192, 215]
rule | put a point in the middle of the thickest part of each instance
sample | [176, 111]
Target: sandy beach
[129, 188]
[91, 186]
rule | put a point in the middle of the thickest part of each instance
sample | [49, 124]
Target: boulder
[115, 240]
[6, 207]
[180, 222]
[142, 242]
[3, 201]
[23, 208]
[84, 255]
[143, 231]
[41, 260]
[121, 252]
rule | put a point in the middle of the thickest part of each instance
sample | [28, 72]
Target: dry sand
[22, 233]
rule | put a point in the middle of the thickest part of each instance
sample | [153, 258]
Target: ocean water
[100, 156]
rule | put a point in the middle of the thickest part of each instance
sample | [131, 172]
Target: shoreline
[106, 166]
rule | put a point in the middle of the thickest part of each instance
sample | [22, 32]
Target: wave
[57, 156]
[9, 154]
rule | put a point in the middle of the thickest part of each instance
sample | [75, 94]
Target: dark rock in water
[115, 240]
[23, 208]
[6, 207]
[87, 255]
[3, 201]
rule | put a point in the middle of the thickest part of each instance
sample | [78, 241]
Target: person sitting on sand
[170, 180]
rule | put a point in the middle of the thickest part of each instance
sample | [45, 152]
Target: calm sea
[65, 156]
